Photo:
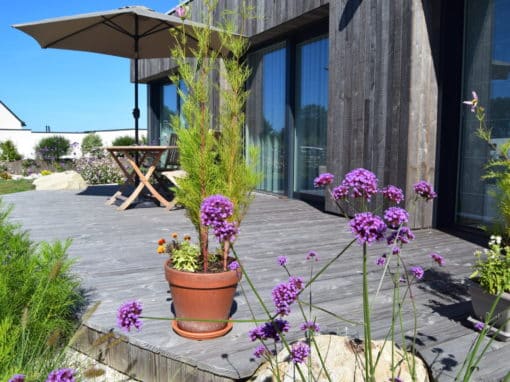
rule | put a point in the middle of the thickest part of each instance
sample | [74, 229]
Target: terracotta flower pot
[204, 296]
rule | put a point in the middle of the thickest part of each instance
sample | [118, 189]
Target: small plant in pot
[490, 290]
[202, 298]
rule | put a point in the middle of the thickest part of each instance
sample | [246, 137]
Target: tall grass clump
[39, 298]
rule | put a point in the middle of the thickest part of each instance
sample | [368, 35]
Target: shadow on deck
[117, 261]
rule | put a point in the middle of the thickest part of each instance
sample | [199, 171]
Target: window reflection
[487, 71]
[266, 115]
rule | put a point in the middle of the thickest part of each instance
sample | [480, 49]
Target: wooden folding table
[141, 162]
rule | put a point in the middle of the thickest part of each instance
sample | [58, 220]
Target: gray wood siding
[270, 14]
[382, 94]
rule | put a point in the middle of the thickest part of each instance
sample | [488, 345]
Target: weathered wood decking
[117, 260]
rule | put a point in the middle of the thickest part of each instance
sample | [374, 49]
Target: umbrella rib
[110, 23]
[49, 45]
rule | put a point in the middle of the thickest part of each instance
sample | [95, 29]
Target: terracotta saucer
[201, 336]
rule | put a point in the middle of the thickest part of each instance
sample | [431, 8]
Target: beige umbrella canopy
[132, 32]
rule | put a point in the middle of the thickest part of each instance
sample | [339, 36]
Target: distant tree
[8, 151]
[52, 148]
[91, 143]
[125, 140]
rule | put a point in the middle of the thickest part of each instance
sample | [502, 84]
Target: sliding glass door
[266, 116]
[311, 112]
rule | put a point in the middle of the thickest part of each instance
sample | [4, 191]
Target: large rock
[345, 360]
[67, 180]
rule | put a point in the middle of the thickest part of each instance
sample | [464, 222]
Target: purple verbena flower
[310, 325]
[215, 209]
[473, 103]
[260, 351]
[282, 260]
[417, 272]
[361, 183]
[380, 261]
[17, 378]
[367, 227]
[340, 192]
[284, 294]
[269, 330]
[128, 315]
[233, 266]
[479, 326]
[226, 231]
[425, 190]
[323, 180]
[396, 379]
[312, 255]
[182, 11]
[396, 216]
[393, 194]
[61, 375]
[299, 352]
[437, 258]
[401, 236]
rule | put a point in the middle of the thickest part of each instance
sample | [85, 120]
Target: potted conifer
[217, 189]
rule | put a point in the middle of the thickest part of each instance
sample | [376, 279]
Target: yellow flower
[161, 249]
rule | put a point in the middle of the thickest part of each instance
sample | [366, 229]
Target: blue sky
[69, 91]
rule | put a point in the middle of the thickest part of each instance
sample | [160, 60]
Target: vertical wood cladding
[383, 92]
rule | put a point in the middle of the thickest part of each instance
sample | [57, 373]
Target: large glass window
[311, 111]
[487, 71]
[169, 108]
[266, 117]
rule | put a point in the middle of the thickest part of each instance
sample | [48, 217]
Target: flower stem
[366, 318]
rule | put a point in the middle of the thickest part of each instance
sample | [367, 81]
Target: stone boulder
[345, 360]
[67, 180]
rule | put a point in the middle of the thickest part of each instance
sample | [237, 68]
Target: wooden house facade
[341, 84]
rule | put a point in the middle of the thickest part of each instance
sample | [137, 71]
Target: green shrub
[124, 140]
[8, 151]
[5, 175]
[52, 148]
[39, 298]
[99, 170]
[91, 144]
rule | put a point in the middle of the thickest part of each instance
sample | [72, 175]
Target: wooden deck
[117, 260]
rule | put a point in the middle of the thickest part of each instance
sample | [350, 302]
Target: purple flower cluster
[284, 294]
[311, 326]
[380, 261]
[396, 216]
[282, 261]
[367, 227]
[323, 180]
[424, 190]
[312, 255]
[233, 266]
[128, 315]
[401, 236]
[479, 326]
[393, 194]
[299, 352]
[396, 379]
[17, 378]
[359, 183]
[260, 351]
[214, 212]
[61, 375]
[417, 272]
[437, 258]
[269, 330]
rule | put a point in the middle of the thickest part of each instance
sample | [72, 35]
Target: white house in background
[9, 120]
[13, 128]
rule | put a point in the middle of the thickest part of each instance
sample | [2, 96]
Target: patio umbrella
[133, 32]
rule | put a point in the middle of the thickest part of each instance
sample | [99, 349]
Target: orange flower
[161, 249]
[161, 241]
[187, 237]
[174, 235]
